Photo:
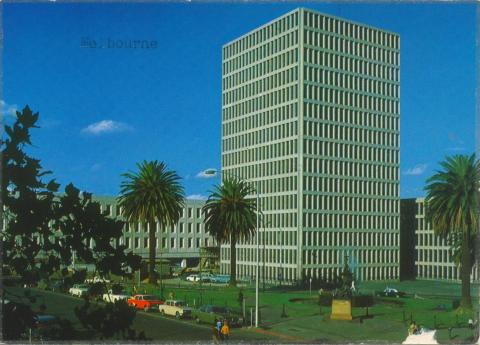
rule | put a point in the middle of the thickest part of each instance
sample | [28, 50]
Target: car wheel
[177, 315]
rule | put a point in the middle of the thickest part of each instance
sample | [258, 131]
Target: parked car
[42, 326]
[209, 313]
[193, 278]
[79, 290]
[390, 292]
[111, 297]
[175, 308]
[220, 279]
[206, 277]
[144, 302]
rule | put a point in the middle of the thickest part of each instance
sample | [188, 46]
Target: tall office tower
[310, 115]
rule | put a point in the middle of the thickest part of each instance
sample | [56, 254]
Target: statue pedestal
[341, 309]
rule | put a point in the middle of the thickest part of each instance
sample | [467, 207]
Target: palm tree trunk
[151, 253]
[465, 270]
[233, 261]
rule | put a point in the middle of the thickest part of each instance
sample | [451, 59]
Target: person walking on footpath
[219, 327]
[216, 336]
[225, 331]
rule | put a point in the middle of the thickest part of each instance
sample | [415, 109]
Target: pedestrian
[240, 298]
[413, 329]
[216, 336]
[171, 295]
[219, 328]
[225, 330]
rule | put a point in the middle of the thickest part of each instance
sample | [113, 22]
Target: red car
[145, 302]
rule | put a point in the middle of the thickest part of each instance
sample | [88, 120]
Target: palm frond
[153, 193]
[452, 195]
[230, 212]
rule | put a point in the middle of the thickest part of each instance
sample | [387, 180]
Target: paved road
[153, 324]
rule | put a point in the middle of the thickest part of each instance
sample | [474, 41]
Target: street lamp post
[263, 256]
[258, 262]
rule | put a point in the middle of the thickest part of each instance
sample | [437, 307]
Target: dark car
[42, 327]
[209, 313]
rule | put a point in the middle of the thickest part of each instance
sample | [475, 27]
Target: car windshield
[179, 303]
[149, 297]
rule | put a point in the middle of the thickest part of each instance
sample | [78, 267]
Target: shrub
[43, 284]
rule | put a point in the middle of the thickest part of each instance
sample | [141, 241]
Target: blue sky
[102, 110]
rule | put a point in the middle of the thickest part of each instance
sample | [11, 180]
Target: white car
[78, 290]
[110, 297]
[193, 278]
[175, 308]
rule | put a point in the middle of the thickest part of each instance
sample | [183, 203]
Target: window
[172, 243]
[137, 242]
[145, 243]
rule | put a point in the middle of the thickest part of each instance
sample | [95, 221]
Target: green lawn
[306, 321]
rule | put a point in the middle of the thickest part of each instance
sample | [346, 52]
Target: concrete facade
[432, 253]
[182, 241]
[310, 114]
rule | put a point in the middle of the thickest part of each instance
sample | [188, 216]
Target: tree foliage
[230, 216]
[113, 320]
[42, 228]
[152, 194]
[452, 209]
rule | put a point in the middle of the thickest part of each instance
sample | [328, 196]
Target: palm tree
[230, 216]
[452, 209]
[153, 194]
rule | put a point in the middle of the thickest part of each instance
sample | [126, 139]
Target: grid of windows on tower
[310, 115]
